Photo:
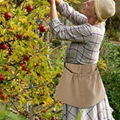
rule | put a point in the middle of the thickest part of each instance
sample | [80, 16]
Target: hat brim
[96, 2]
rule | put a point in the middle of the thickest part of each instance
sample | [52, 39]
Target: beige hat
[104, 9]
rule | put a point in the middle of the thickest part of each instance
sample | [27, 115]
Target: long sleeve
[70, 33]
[71, 14]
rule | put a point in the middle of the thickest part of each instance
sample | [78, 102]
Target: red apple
[3, 46]
[7, 15]
[22, 66]
[29, 8]
[1, 77]
[42, 28]
[1, 92]
[4, 97]
[19, 36]
[43, 110]
[53, 118]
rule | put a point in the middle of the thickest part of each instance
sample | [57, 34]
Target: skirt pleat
[100, 111]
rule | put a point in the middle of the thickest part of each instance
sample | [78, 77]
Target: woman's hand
[53, 11]
[57, 1]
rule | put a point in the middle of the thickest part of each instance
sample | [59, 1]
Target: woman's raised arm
[70, 13]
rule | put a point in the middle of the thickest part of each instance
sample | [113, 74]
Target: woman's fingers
[58, 1]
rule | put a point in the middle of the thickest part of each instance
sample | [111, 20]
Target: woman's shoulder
[98, 28]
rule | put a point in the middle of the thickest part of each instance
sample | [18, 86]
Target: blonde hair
[93, 8]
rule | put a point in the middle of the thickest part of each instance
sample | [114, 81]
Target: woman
[80, 88]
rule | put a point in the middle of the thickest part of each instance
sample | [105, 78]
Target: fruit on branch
[43, 110]
[53, 118]
[3, 97]
[42, 28]
[1, 92]
[3, 46]
[1, 77]
[22, 66]
[19, 36]
[7, 15]
[29, 8]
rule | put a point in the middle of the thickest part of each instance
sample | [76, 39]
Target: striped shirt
[85, 39]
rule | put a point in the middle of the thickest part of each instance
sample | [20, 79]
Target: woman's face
[88, 8]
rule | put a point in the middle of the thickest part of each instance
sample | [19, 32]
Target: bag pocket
[67, 73]
[88, 73]
[64, 82]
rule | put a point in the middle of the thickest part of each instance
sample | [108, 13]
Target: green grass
[7, 115]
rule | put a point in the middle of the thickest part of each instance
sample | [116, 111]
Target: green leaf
[79, 115]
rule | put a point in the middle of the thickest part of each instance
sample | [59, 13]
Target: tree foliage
[26, 73]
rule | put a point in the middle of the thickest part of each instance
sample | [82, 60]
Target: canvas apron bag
[80, 85]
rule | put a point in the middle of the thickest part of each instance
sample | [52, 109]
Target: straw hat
[104, 9]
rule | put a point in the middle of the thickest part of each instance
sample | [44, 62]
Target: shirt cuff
[54, 22]
[60, 4]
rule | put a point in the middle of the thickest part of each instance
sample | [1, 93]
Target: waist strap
[80, 68]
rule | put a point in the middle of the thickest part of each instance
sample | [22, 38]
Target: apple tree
[26, 72]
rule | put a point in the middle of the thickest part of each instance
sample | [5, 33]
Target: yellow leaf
[102, 64]
[23, 20]
[10, 30]
[22, 100]
[48, 102]
[16, 58]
